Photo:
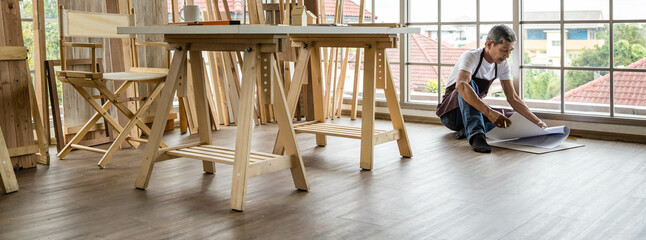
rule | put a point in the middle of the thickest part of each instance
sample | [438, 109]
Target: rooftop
[630, 88]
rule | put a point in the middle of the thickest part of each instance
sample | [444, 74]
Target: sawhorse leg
[396, 116]
[368, 108]
[243, 132]
[300, 76]
[317, 92]
[165, 101]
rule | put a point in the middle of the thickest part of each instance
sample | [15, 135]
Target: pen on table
[504, 123]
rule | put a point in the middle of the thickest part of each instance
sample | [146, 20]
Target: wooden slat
[202, 157]
[181, 146]
[82, 44]
[231, 153]
[24, 150]
[214, 154]
[228, 149]
[386, 137]
[319, 132]
[13, 53]
[277, 164]
[86, 148]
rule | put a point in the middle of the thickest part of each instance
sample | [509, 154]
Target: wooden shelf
[259, 163]
[381, 136]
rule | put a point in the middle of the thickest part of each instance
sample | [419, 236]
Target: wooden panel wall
[15, 117]
[150, 12]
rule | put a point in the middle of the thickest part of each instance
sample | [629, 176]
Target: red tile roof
[630, 88]
[424, 49]
[350, 8]
[234, 5]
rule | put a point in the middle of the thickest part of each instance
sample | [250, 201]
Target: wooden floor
[445, 191]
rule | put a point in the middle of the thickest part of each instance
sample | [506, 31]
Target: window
[577, 34]
[591, 85]
[548, 82]
[457, 31]
[536, 34]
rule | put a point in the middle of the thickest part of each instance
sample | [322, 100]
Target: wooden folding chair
[104, 25]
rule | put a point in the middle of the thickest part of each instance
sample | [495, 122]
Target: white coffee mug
[190, 13]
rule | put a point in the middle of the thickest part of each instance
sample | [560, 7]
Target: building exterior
[542, 42]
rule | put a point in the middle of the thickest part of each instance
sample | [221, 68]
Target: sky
[499, 10]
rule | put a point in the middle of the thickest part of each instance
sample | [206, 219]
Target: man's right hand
[498, 119]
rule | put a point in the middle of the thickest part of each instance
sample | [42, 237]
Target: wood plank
[396, 116]
[243, 132]
[284, 118]
[338, 102]
[16, 120]
[42, 138]
[293, 95]
[13, 53]
[450, 191]
[368, 110]
[231, 153]
[201, 104]
[165, 103]
[330, 133]
[22, 151]
[91, 149]
[317, 91]
[203, 157]
[8, 181]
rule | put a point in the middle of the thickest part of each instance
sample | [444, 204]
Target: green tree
[51, 32]
[541, 85]
[431, 86]
[628, 48]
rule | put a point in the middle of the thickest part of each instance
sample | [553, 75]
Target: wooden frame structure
[8, 181]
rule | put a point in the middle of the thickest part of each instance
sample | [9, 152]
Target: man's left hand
[541, 124]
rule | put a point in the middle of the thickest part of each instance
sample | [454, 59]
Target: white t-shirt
[469, 61]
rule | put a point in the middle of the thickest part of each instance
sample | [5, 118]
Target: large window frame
[517, 65]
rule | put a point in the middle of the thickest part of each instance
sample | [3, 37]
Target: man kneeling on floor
[463, 110]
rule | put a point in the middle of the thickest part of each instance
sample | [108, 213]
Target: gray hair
[500, 32]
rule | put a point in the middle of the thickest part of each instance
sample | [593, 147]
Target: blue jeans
[468, 116]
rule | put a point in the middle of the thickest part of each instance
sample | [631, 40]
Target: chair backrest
[93, 24]
[97, 25]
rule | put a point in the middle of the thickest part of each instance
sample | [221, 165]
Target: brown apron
[450, 97]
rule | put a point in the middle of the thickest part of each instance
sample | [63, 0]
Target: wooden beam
[40, 55]
[15, 119]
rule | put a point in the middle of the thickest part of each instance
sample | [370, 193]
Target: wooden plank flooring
[445, 191]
